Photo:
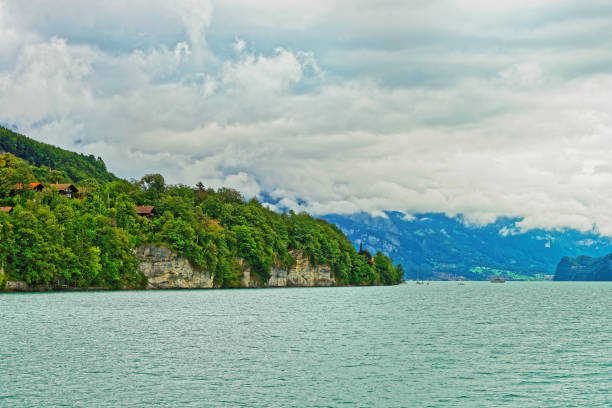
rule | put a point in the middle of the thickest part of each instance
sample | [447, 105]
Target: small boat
[418, 282]
[499, 279]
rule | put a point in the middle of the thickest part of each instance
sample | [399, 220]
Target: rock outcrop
[584, 268]
[20, 286]
[166, 270]
[10, 285]
[302, 274]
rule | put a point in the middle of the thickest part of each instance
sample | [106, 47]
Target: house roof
[62, 187]
[144, 209]
[6, 209]
[32, 186]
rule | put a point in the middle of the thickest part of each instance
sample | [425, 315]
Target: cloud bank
[481, 108]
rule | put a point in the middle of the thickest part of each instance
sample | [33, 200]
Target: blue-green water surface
[541, 344]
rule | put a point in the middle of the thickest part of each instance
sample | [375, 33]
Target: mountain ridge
[584, 268]
[436, 246]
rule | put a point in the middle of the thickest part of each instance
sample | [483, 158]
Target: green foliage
[64, 244]
[13, 171]
[386, 272]
[49, 239]
[75, 166]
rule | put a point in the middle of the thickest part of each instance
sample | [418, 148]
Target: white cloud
[522, 75]
[196, 16]
[408, 217]
[586, 242]
[256, 75]
[239, 45]
[466, 112]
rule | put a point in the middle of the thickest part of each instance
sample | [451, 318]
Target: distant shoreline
[9, 290]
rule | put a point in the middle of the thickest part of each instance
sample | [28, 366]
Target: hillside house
[147, 211]
[6, 209]
[37, 187]
[67, 190]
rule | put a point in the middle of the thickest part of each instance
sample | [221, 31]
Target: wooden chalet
[38, 187]
[6, 209]
[147, 211]
[67, 190]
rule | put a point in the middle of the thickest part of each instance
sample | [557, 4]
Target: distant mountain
[584, 268]
[437, 246]
[75, 165]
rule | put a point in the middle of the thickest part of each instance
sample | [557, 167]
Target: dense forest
[50, 239]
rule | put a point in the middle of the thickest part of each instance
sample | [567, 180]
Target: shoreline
[22, 289]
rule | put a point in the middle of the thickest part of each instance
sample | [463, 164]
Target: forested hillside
[47, 238]
[75, 166]
[584, 268]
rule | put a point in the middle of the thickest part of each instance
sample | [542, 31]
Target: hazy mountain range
[437, 246]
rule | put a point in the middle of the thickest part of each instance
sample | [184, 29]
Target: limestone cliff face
[302, 273]
[166, 270]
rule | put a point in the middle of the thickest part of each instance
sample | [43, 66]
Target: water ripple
[478, 345]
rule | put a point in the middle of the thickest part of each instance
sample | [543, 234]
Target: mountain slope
[584, 268]
[76, 166]
[437, 246]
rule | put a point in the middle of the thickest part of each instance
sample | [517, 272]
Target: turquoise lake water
[518, 344]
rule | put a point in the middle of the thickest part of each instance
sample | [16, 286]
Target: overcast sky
[485, 108]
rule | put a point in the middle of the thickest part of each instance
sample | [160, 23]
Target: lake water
[541, 344]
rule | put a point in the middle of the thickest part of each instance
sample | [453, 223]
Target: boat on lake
[418, 282]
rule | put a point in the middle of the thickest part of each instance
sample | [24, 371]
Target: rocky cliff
[302, 273]
[584, 268]
[166, 270]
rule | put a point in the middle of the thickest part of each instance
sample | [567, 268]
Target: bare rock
[166, 270]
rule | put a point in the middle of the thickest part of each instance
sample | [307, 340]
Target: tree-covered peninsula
[65, 221]
[584, 268]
